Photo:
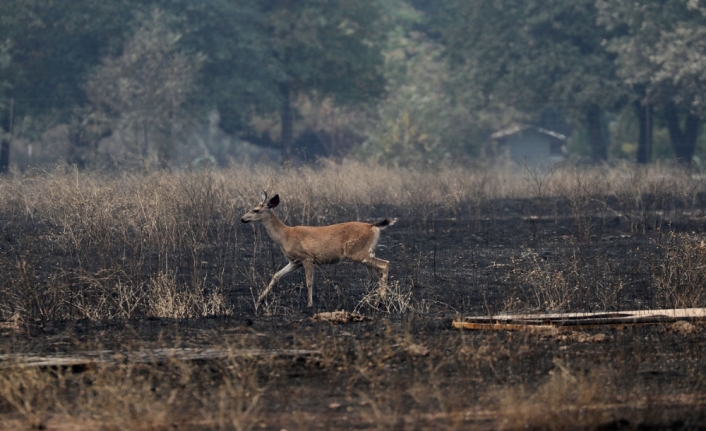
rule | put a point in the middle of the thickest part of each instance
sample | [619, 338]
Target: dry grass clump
[166, 298]
[29, 392]
[102, 245]
[134, 245]
[647, 197]
[156, 396]
[567, 400]
[396, 300]
[367, 375]
[569, 280]
[683, 327]
[170, 246]
[670, 274]
[122, 246]
[333, 192]
[679, 271]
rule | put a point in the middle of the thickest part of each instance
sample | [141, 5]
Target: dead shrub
[679, 272]
[569, 279]
[565, 401]
[30, 392]
[683, 327]
[167, 298]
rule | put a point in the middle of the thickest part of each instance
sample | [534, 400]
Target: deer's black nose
[243, 220]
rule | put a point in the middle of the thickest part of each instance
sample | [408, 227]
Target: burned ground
[120, 284]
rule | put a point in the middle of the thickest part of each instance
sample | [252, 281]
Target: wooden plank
[577, 321]
[23, 360]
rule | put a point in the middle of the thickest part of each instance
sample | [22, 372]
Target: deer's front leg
[309, 270]
[291, 266]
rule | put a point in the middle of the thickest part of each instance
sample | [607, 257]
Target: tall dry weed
[570, 280]
[30, 392]
[567, 400]
[88, 245]
[138, 396]
[679, 272]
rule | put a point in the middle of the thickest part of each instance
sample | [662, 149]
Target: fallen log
[579, 321]
[24, 360]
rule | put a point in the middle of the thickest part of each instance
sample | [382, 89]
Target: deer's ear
[274, 201]
[263, 196]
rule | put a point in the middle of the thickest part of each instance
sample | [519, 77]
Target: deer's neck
[275, 228]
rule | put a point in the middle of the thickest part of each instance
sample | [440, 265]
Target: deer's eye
[256, 211]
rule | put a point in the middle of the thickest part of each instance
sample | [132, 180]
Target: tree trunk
[4, 156]
[596, 137]
[643, 111]
[165, 142]
[683, 142]
[287, 122]
[5, 144]
[691, 134]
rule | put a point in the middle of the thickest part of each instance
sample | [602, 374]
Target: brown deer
[309, 245]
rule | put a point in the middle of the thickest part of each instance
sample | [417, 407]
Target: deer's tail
[385, 223]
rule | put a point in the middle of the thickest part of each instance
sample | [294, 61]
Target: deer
[306, 246]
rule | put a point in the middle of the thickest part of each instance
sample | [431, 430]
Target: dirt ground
[411, 370]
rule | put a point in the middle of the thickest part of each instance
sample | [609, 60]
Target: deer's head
[261, 210]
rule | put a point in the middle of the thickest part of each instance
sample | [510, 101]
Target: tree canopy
[411, 80]
[328, 47]
[54, 45]
[534, 55]
[661, 50]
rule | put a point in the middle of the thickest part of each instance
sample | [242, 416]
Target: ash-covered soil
[486, 265]
[411, 370]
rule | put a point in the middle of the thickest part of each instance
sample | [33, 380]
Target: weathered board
[577, 321]
[23, 360]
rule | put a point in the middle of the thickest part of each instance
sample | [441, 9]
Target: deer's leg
[291, 266]
[309, 269]
[382, 266]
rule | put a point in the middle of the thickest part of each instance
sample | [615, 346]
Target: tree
[259, 56]
[533, 55]
[54, 46]
[330, 48]
[644, 112]
[5, 107]
[145, 86]
[417, 123]
[238, 76]
[661, 51]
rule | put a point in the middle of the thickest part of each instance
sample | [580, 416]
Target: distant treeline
[403, 82]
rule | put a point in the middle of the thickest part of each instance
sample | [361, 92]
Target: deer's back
[330, 244]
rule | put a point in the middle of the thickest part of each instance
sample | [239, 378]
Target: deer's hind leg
[382, 267]
[309, 270]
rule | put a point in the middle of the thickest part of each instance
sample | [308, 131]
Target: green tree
[417, 123]
[54, 46]
[532, 55]
[330, 48]
[259, 56]
[238, 75]
[661, 52]
[57, 45]
[146, 85]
